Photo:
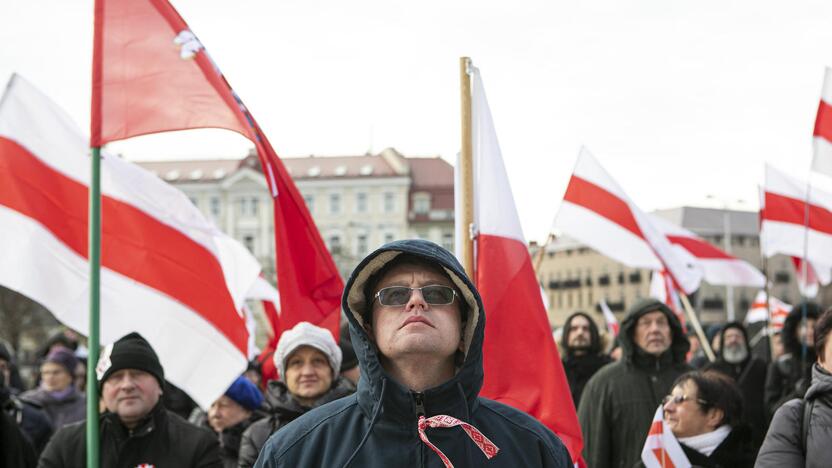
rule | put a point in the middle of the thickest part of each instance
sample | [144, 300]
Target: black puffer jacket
[789, 376]
[377, 426]
[784, 444]
[284, 409]
[750, 376]
[619, 402]
[163, 439]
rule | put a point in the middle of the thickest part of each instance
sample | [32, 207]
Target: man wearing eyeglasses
[417, 326]
[619, 401]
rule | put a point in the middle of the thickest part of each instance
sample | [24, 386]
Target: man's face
[580, 337]
[416, 328]
[131, 394]
[733, 337]
[734, 349]
[54, 377]
[308, 374]
[225, 413]
[806, 332]
[652, 333]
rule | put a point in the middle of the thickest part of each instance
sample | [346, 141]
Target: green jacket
[619, 401]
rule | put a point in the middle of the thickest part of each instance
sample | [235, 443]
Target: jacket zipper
[419, 400]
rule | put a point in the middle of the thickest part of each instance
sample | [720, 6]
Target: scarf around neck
[708, 442]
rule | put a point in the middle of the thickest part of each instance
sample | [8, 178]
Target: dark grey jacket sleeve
[254, 437]
[783, 446]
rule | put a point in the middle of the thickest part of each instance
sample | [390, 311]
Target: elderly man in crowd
[619, 402]
[417, 324]
[308, 363]
[135, 429]
[57, 394]
[801, 431]
[749, 373]
[582, 357]
[704, 412]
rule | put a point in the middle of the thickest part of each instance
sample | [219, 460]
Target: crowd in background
[770, 406]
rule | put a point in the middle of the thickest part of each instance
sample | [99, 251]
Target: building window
[421, 203]
[310, 203]
[361, 202]
[361, 245]
[334, 203]
[215, 207]
[389, 202]
[389, 237]
[242, 205]
[255, 202]
[248, 241]
[448, 241]
[335, 244]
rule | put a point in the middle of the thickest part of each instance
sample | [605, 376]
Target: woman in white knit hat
[308, 362]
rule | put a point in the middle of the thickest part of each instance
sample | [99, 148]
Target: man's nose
[416, 300]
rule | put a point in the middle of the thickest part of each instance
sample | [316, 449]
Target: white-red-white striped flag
[597, 212]
[759, 311]
[661, 449]
[661, 288]
[166, 271]
[822, 160]
[609, 318]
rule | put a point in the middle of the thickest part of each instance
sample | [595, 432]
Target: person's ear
[714, 417]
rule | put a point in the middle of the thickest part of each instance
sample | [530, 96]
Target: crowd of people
[392, 392]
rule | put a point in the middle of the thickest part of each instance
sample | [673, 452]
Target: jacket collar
[156, 418]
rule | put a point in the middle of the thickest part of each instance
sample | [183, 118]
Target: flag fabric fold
[609, 318]
[152, 74]
[597, 212]
[517, 327]
[166, 271]
[822, 141]
[759, 311]
[661, 449]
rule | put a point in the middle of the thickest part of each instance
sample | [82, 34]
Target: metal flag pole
[95, 296]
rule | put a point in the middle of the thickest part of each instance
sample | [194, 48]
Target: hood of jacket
[741, 328]
[594, 336]
[631, 353]
[791, 342]
[463, 388]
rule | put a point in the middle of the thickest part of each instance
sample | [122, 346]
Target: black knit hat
[131, 351]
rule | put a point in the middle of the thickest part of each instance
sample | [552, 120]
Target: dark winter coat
[579, 369]
[619, 402]
[784, 444]
[230, 438]
[28, 415]
[68, 410]
[789, 376]
[377, 426]
[750, 376]
[15, 449]
[736, 451]
[284, 409]
[163, 439]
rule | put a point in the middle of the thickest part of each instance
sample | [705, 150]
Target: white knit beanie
[306, 334]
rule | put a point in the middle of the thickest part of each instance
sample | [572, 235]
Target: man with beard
[789, 376]
[749, 373]
[582, 352]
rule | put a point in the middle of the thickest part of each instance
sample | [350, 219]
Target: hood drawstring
[442, 420]
[373, 420]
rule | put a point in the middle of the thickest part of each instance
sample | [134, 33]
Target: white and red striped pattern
[783, 217]
[822, 160]
[597, 212]
[759, 311]
[517, 325]
[661, 288]
[488, 448]
[167, 272]
[612, 323]
[661, 449]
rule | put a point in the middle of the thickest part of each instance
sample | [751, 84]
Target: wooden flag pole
[542, 253]
[706, 345]
[466, 168]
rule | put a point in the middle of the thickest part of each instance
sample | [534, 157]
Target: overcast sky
[677, 99]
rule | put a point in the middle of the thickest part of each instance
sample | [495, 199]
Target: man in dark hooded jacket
[417, 325]
[582, 357]
[749, 373]
[619, 402]
[789, 376]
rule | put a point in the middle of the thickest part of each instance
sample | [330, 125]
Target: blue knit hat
[245, 393]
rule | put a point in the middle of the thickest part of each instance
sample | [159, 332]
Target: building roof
[201, 170]
[711, 221]
[432, 172]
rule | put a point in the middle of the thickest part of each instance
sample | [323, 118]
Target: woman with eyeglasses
[703, 411]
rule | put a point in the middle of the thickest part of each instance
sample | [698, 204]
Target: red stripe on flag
[595, 198]
[699, 248]
[663, 458]
[791, 210]
[823, 122]
[656, 428]
[133, 243]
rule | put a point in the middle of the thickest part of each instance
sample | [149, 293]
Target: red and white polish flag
[783, 218]
[166, 271]
[661, 288]
[517, 325]
[661, 449]
[759, 311]
[597, 212]
[822, 143]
